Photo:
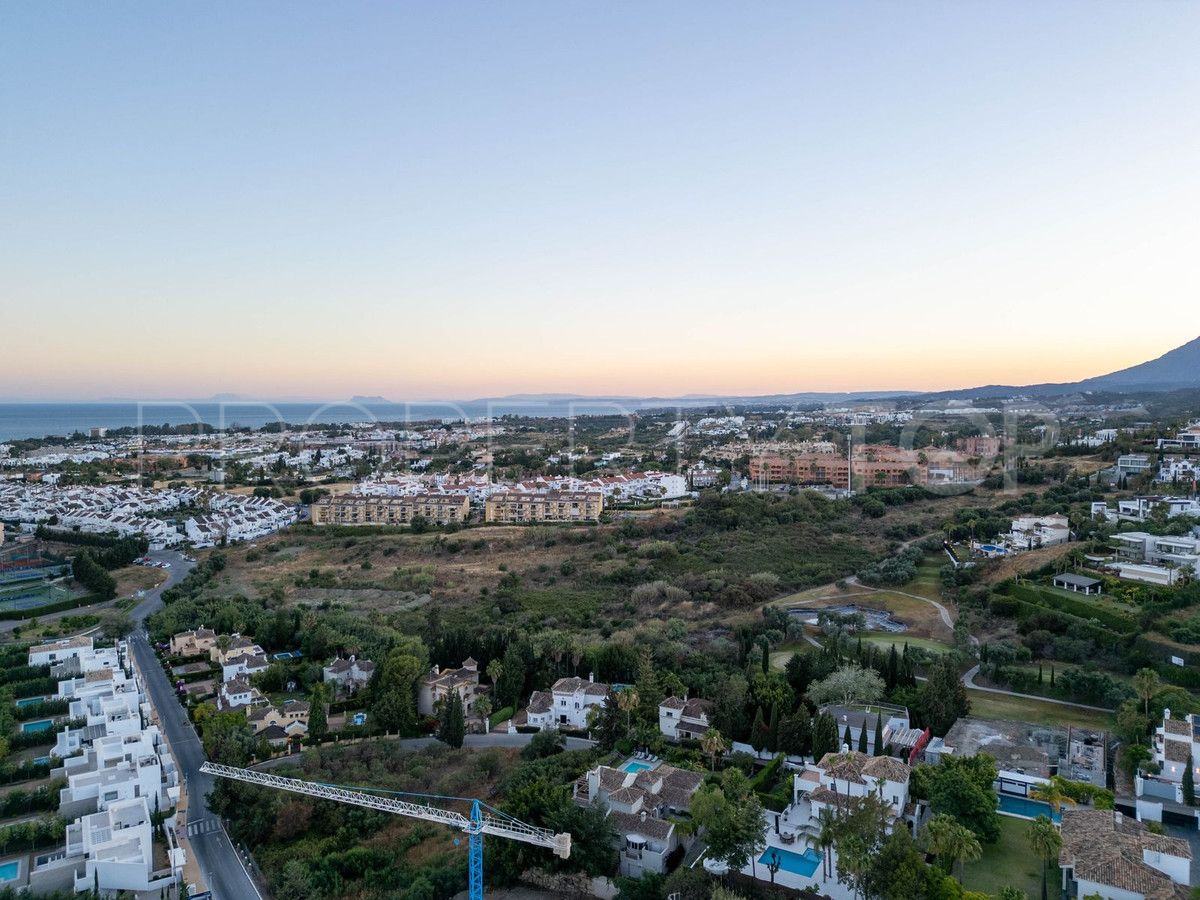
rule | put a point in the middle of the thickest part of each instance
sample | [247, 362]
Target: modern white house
[56, 651]
[566, 704]
[1157, 559]
[1133, 464]
[1106, 854]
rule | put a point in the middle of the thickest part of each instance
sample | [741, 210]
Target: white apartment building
[566, 704]
[57, 651]
[1188, 439]
[1179, 470]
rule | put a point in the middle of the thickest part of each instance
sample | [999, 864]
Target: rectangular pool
[39, 725]
[637, 766]
[10, 871]
[30, 701]
[797, 863]
[1024, 808]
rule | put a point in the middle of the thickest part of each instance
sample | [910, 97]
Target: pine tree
[879, 735]
[862, 738]
[847, 740]
[773, 729]
[824, 736]
[1189, 784]
[892, 674]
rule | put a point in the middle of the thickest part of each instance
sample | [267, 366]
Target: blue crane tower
[483, 819]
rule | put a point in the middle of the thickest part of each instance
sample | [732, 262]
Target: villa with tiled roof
[640, 806]
[1107, 854]
[570, 701]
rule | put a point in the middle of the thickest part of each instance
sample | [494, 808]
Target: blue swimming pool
[39, 725]
[797, 863]
[992, 548]
[41, 760]
[635, 766]
[30, 701]
[9, 871]
[1026, 808]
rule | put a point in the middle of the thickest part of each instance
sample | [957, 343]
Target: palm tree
[826, 838]
[1052, 794]
[951, 842]
[713, 744]
[627, 702]
[1045, 841]
[1146, 685]
[493, 670]
[483, 709]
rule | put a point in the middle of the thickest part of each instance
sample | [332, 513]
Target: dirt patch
[998, 570]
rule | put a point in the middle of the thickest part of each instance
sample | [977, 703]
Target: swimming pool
[10, 871]
[39, 725]
[31, 701]
[41, 760]
[797, 863]
[992, 548]
[635, 766]
[1024, 808]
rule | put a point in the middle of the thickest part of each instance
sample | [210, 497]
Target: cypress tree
[847, 740]
[1189, 784]
[773, 729]
[454, 725]
[758, 731]
[892, 674]
[879, 735]
[862, 738]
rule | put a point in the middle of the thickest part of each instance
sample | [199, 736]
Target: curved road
[215, 854]
[968, 680]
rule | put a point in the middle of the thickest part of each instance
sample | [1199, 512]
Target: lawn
[1009, 861]
[998, 706]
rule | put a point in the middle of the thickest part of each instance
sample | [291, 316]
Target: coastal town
[985, 641]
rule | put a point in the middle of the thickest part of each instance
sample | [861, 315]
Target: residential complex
[119, 776]
[552, 506]
[369, 509]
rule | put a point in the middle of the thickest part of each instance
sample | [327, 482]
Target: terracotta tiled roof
[539, 702]
[887, 768]
[1105, 847]
[648, 827]
[1177, 751]
[1177, 726]
[673, 703]
[575, 685]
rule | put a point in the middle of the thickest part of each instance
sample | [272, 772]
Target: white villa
[684, 719]
[1031, 532]
[348, 674]
[640, 805]
[566, 704]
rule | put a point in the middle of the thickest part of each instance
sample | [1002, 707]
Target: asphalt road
[223, 871]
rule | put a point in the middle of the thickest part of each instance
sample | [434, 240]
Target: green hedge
[501, 715]
[23, 673]
[1081, 608]
[43, 710]
[1156, 646]
[33, 687]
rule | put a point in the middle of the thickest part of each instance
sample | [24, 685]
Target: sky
[426, 200]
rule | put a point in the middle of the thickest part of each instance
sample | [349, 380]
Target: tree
[732, 817]
[773, 729]
[1045, 841]
[1189, 784]
[961, 787]
[849, 683]
[758, 731]
[394, 706]
[453, 725]
[1146, 684]
[115, 624]
[942, 698]
[898, 870]
[795, 732]
[318, 725]
[862, 738]
[825, 839]
[627, 702]
[713, 745]
[510, 686]
[543, 744]
[951, 842]
[824, 736]
[878, 735]
[1052, 794]
[483, 709]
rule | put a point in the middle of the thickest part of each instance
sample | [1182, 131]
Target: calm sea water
[35, 420]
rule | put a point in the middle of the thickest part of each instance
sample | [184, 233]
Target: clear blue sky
[453, 200]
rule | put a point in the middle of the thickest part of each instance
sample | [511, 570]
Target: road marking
[203, 826]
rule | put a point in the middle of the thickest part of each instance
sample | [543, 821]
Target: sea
[39, 420]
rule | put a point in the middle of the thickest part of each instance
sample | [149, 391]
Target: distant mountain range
[1178, 369]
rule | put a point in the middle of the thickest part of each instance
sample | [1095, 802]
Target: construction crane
[483, 818]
